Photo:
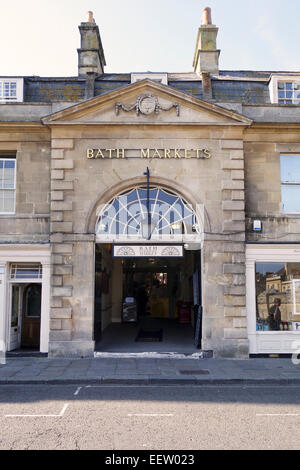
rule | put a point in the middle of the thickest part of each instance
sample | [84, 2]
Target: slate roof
[244, 87]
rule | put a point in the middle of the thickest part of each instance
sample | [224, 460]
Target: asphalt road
[149, 417]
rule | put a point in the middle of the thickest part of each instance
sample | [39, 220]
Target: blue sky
[42, 37]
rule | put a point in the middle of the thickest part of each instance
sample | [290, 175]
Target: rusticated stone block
[57, 174]
[62, 185]
[238, 215]
[63, 227]
[235, 312]
[233, 226]
[56, 281]
[237, 154]
[235, 290]
[65, 291]
[234, 268]
[62, 164]
[62, 313]
[231, 185]
[65, 248]
[56, 238]
[232, 144]
[233, 205]
[62, 335]
[56, 259]
[237, 175]
[235, 333]
[238, 279]
[57, 216]
[63, 269]
[57, 153]
[234, 301]
[61, 206]
[55, 325]
[234, 248]
[233, 165]
[56, 302]
[67, 324]
[57, 195]
[62, 143]
[237, 195]
[240, 322]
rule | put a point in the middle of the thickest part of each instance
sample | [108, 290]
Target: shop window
[7, 185]
[11, 89]
[277, 297]
[290, 182]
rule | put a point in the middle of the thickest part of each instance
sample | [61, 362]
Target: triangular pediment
[146, 102]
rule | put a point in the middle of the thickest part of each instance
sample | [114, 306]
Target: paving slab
[141, 370]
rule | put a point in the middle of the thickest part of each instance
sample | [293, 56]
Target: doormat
[194, 372]
[149, 335]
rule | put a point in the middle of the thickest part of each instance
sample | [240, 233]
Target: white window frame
[287, 183]
[5, 158]
[295, 282]
[273, 86]
[21, 254]
[20, 90]
[156, 77]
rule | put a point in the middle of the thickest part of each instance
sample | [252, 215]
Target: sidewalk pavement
[148, 371]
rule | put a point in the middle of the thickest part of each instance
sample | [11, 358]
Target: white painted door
[15, 317]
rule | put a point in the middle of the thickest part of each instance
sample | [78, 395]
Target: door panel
[31, 324]
[15, 318]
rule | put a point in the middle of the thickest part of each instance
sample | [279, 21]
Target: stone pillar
[225, 321]
[64, 339]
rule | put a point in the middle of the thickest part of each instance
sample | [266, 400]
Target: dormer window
[285, 89]
[289, 92]
[11, 90]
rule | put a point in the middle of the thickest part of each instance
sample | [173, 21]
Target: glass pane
[297, 297]
[289, 86]
[274, 296]
[290, 197]
[15, 306]
[290, 168]
[33, 301]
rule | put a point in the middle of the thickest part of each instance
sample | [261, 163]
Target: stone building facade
[225, 144]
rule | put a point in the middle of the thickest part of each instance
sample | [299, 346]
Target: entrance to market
[146, 304]
[148, 272]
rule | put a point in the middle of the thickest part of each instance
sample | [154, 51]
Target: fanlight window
[159, 215]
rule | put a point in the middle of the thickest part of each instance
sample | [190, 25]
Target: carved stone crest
[146, 104]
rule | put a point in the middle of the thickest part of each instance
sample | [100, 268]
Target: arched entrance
[147, 271]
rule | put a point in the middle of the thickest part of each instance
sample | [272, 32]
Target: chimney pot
[91, 17]
[206, 16]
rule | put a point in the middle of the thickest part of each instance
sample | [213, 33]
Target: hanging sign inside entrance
[148, 251]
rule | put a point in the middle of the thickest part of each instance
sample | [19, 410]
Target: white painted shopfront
[287, 339]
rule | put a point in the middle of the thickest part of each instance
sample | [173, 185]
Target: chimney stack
[91, 58]
[206, 58]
